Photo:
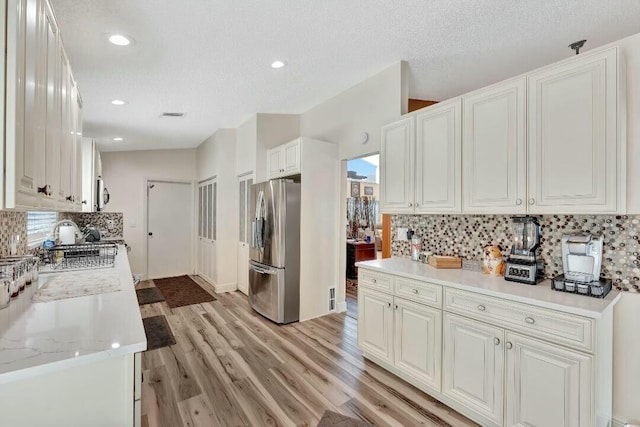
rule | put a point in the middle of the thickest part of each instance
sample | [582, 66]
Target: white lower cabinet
[553, 369]
[547, 385]
[474, 366]
[418, 342]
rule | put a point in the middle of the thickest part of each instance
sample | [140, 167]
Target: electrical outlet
[402, 234]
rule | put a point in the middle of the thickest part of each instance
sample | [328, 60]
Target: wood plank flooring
[231, 367]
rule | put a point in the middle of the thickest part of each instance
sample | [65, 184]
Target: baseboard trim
[341, 307]
[225, 287]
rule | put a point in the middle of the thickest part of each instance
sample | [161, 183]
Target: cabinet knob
[417, 205]
[482, 307]
[374, 281]
[84, 202]
[530, 320]
[410, 204]
[46, 190]
[532, 201]
[415, 291]
[388, 305]
[69, 198]
[496, 341]
[396, 306]
[518, 202]
[509, 345]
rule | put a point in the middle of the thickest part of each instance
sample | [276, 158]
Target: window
[39, 225]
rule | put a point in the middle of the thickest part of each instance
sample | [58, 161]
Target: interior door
[206, 267]
[473, 365]
[547, 385]
[244, 231]
[169, 229]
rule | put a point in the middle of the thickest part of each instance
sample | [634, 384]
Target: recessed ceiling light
[118, 138]
[278, 64]
[119, 102]
[119, 40]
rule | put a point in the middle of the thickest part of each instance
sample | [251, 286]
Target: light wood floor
[231, 367]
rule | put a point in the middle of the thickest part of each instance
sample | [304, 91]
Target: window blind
[39, 225]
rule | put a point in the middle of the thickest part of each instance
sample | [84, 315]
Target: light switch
[402, 234]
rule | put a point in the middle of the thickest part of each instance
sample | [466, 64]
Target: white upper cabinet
[438, 158]
[576, 153]
[397, 166]
[547, 385]
[494, 146]
[284, 160]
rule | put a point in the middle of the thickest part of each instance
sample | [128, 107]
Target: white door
[396, 166]
[375, 324]
[418, 342]
[547, 385]
[291, 155]
[276, 162]
[573, 136]
[494, 149]
[473, 366]
[169, 227]
[244, 231]
[439, 158]
[206, 267]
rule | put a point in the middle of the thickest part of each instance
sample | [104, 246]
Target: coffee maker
[524, 264]
[581, 264]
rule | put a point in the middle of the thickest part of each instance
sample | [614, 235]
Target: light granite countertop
[38, 338]
[540, 295]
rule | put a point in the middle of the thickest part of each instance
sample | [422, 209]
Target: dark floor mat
[182, 290]
[158, 332]
[333, 419]
[149, 295]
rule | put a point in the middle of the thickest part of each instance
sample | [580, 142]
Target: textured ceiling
[211, 58]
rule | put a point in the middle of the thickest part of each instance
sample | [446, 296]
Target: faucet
[65, 222]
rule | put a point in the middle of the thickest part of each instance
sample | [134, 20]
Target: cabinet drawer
[560, 328]
[414, 290]
[370, 279]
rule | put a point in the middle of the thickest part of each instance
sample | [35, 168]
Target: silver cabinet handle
[509, 345]
[496, 341]
[530, 320]
[532, 201]
[482, 307]
[396, 306]
[417, 205]
[518, 202]
[415, 291]
[388, 305]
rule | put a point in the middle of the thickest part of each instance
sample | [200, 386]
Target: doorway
[363, 222]
[169, 228]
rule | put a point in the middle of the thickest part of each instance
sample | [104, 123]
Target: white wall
[363, 108]
[216, 157]
[124, 175]
[246, 142]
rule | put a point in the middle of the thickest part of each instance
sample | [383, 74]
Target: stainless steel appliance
[274, 256]
[581, 264]
[102, 194]
[524, 264]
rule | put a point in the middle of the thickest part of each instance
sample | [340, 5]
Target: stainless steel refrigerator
[274, 256]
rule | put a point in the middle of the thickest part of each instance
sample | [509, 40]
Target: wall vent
[332, 299]
[172, 115]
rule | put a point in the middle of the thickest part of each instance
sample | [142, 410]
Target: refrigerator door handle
[262, 270]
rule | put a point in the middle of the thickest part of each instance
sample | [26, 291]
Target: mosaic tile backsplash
[465, 235]
[12, 223]
[110, 224]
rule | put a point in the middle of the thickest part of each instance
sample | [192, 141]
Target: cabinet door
[494, 148]
[375, 324]
[64, 187]
[276, 162]
[438, 158]
[53, 112]
[418, 342]
[547, 385]
[80, 201]
[574, 153]
[396, 166]
[291, 157]
[24, 97]
[473, 366]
